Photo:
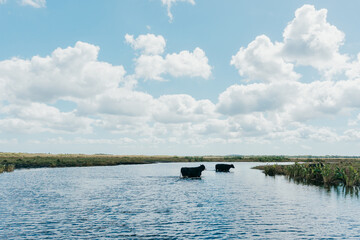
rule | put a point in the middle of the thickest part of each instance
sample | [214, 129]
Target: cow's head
[202, 167]
[232, 166]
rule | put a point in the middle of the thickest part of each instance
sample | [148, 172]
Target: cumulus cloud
[181, 108]
[34, 3]
[169, 3]
[310, 40]
[258, 97]
[324, 99]
[87, 141]
[149, 44]
[273, 105]
[353, 69]
[73, 72]
[39, 117]
[117, 101]
[185, 63]
[262, 61]
[151, 65]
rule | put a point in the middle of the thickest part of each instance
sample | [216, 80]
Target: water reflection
[346, 191]
[340, 190]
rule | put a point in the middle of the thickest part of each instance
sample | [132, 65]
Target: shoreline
[12, 161]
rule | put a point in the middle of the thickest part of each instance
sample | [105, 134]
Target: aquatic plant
[271, 170]
[351, 176]
[328, 174]
[9, 168]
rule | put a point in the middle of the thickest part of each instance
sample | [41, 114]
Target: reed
[328, 174]
[9, 167]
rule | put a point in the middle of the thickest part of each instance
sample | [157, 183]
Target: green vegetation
[11, 161]
[195, 159]
[7, 168]
[269, 159]
[344, 173]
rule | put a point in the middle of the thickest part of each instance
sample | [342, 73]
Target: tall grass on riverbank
[7, 168]
[330, 174]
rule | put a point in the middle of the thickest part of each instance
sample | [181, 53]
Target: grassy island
[345, 173]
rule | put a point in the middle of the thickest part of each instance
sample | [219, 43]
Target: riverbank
[11, 161]
[345, 173]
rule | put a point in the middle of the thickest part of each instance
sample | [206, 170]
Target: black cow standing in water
[192, 172]
[223, 167]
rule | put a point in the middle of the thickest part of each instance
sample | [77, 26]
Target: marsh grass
[39, 160]
[13, 161]
[328, 174]
[7, 168]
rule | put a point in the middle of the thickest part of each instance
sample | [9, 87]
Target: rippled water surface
[152, 202]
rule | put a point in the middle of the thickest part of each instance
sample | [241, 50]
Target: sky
[180, 77]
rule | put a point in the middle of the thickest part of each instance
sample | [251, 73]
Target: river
[151, 201]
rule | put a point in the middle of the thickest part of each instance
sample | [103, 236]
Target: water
[152, 202]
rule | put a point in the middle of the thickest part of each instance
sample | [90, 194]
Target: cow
[192, 172]
[223, 167]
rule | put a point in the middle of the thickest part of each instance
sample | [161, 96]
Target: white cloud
[310, 40]
[352, 135]
[38, 117]
[262, 61]
[34, 3]
[353, 69]
[324, 99]
[117, 101]
[257, 97]
[169, 3]
[288, 106]
[73, 72]
[9, 141]
[181, 108]
[87, 141]
[150, 65]
[193, 64]
[275, 105]
[149, 44]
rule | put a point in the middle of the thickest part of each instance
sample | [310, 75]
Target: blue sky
[180, 77]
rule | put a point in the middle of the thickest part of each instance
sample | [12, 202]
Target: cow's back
[222, 167]
[191, 172]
